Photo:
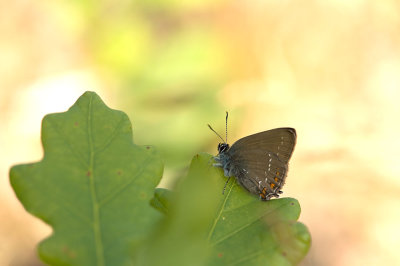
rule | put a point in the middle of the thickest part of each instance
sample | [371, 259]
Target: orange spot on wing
[263, 193]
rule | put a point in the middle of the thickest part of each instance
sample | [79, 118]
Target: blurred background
[330, 69]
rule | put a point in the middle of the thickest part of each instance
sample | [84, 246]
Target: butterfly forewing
[280, 141]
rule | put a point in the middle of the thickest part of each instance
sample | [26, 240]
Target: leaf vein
[111, 138]
[248, 257]
[220, 211]
[118, 190]
[96, 215]
[77, 155]
[244, 226]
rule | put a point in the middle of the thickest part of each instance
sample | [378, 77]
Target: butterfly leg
[216, 160]
[226, 183]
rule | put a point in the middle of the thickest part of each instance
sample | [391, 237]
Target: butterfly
[259, 161]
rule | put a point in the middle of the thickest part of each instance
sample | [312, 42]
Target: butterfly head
[223, 147]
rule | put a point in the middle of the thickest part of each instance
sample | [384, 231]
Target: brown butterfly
[259, 161]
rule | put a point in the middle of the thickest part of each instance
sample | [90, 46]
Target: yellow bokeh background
[330, 69]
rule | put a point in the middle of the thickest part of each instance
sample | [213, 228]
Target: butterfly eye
[223, 147]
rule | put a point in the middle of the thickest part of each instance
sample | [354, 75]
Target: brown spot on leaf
[220, 255]
[148, 147]
[119, 172]
[88, 173]
[70, 253]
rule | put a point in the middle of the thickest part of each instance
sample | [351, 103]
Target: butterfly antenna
[216, 132]
[223, 191]
[226, 127]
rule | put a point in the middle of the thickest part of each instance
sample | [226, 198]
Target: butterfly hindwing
[266, 173]
[261, 160]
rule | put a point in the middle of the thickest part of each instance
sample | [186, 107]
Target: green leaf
[231, 229]
[181, 238]
[161, 200]
[93, 185]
